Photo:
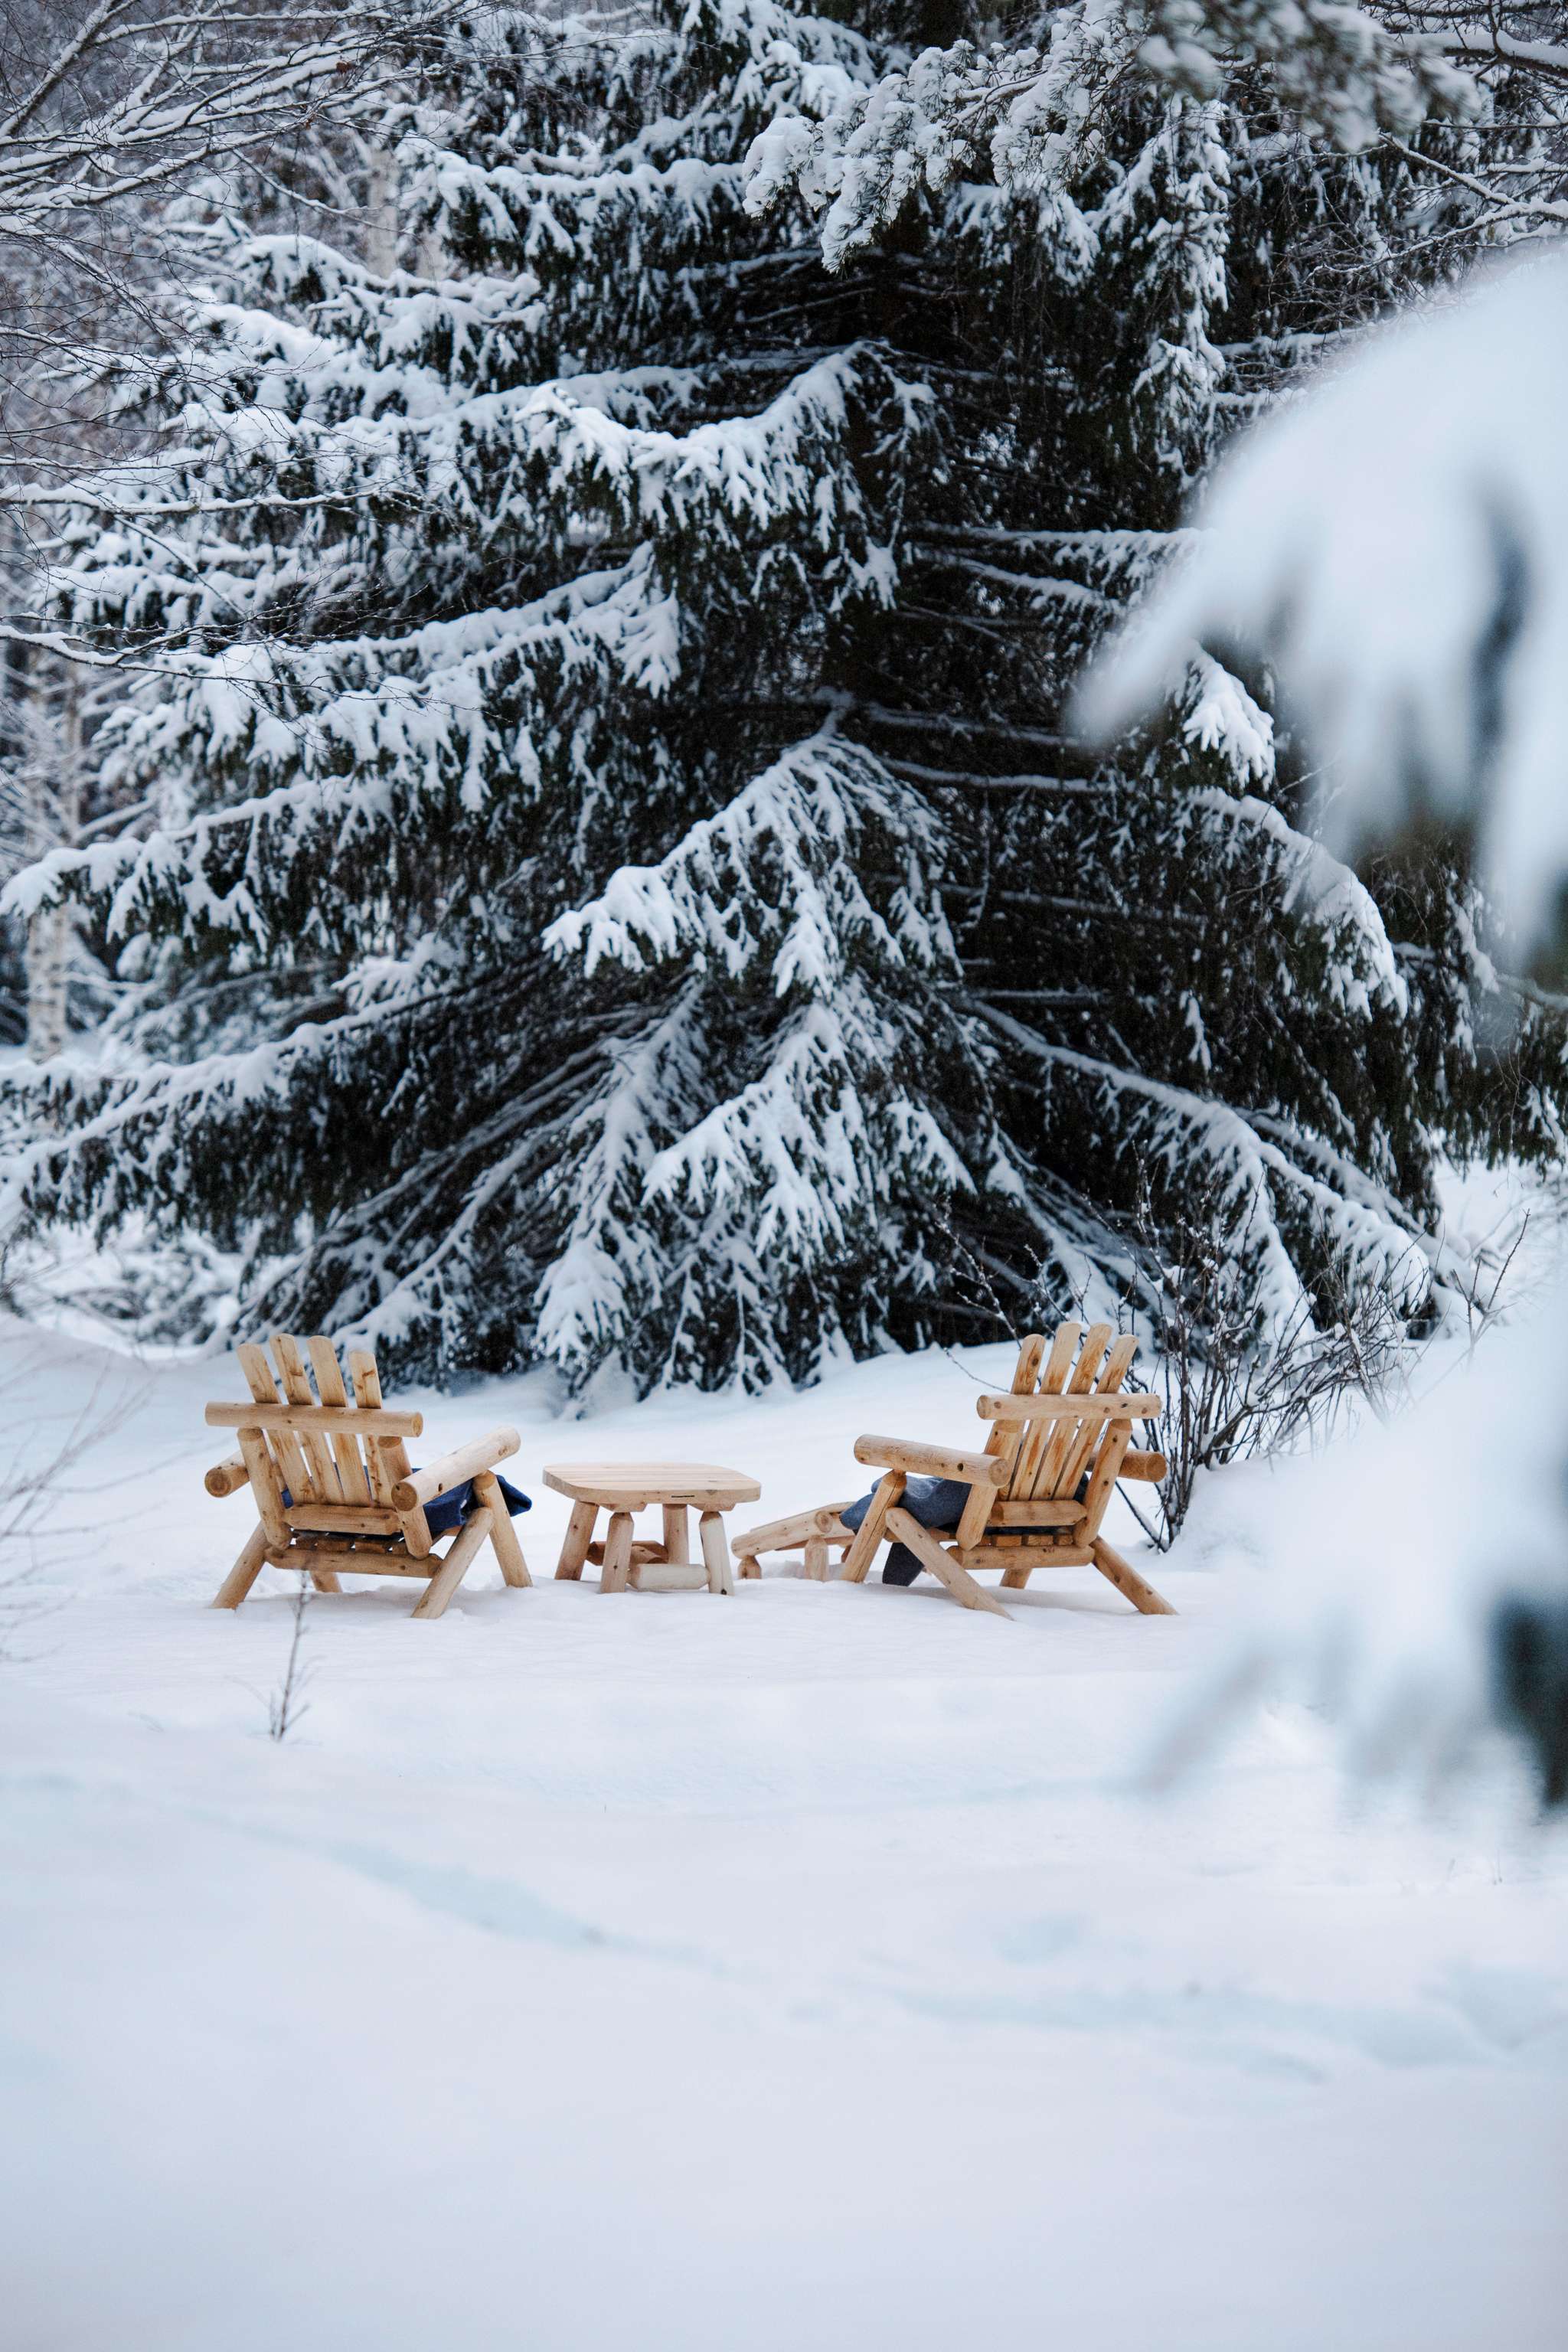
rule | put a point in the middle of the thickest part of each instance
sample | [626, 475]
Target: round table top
[633, 1486]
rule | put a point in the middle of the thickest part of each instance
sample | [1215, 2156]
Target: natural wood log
[284, 1447]
[265, 1484]
[715, 1551]
[1149, 1466]
[289, 1420]
[667, 1575]
[1047, 1475]
[363, 1559]
[1033, 1437]
[1019, 1560]
[618, 1565]
[1066, 1408]
[324, 1580]
[1034, 1511]
[227, 1478]
[454, 1469]
[1006, 1443]
[677, 1534]
[343, 1519]
[244, 1572]
[503, 1535]
[1102, 1478]
[387, 1456]
[646, 1553]
[814, 1563]
[256, 1372]
[862, 1551]
[930, 1461]
[908, 1530]
[635, 1485]
[473, 1532]
[1126, 1579]
[784, 1535]
[293, 1468]
[386, 1463]
[1077, 1451]
[579, 1532]
[329, 1388]
[296, 1389]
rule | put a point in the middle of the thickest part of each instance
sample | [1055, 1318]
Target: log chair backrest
[329, 1470]
[1052, 1456]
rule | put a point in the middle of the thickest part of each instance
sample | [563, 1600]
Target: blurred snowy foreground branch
[1416, 1577]
[1396, 546]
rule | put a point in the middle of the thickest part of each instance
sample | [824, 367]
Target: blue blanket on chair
[448, 1511]
[937, 1503]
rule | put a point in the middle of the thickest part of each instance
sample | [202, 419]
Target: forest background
[549, 555]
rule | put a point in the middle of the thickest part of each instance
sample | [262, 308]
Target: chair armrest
[1152, 1467]
[465, 1462]
[227, 1478]
[933, 1460]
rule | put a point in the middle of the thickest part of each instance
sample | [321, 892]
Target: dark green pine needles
[618, 884]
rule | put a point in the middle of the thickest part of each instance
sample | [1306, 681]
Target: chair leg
[503, 1535]
[869, 1535]
[929, 1554]
[244, 1572]
[325, 1579]
[715, 1551]
[456, 1565]
[813, 1563]
[617, 1567]
[1016, 1579]
[1126, 1579]
[579, 1536]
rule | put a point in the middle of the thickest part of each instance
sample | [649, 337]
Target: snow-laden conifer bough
[1396, 547]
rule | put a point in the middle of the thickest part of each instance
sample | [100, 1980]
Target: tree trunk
[55, 817]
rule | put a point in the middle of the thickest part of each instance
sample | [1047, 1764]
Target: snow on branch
[1278, 1213]
[1397, 546]
[130, 95]
[339, 737]
[776, 875]
[1035, 112]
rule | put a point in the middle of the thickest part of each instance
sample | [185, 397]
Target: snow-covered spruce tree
[620, 887]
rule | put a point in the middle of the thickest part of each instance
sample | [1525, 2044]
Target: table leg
[579, 1536]
[715, 1551]
[677, 1535]
[618, 1565]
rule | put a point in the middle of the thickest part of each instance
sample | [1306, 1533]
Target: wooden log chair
[333, 1488]
[1057, 1445]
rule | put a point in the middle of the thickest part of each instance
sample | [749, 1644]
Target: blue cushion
[937, 1503]
[448, 1511]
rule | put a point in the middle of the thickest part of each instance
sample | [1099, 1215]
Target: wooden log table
[622, 1488]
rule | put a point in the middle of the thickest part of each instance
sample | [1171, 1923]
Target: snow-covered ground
[795, 1971]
